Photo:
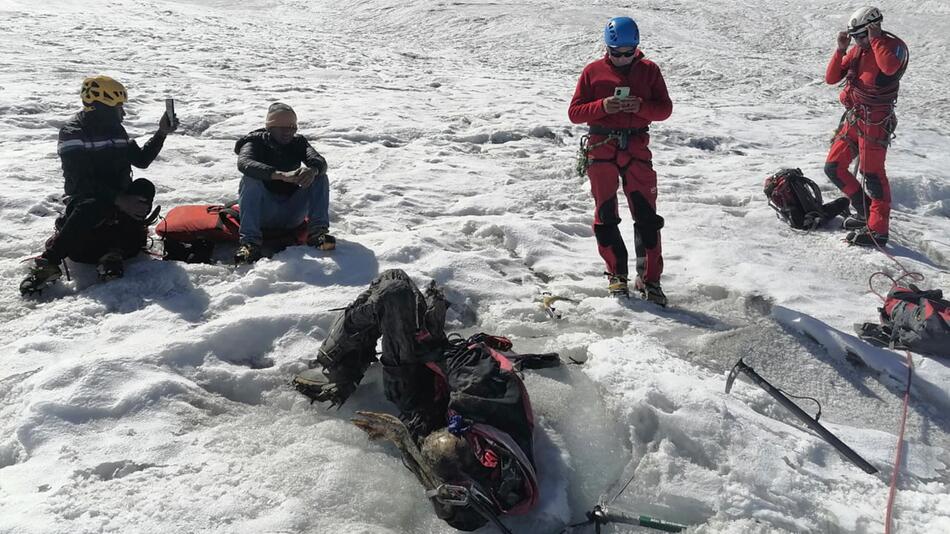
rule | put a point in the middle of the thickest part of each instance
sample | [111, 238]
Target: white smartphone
[622, 92]
[170, 110]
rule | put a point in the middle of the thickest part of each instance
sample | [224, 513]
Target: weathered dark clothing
[430, 380]
[392, 308]
[97, 155]
[259, 156]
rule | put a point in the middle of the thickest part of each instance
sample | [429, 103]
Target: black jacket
[259, 156]
[98, 155]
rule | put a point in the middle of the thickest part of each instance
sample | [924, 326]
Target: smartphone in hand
[622, 92]
[170, 111]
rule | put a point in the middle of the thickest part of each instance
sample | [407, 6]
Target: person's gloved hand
[166, 126]
[134, 206]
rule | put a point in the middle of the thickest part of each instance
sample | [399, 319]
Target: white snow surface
[159, 402]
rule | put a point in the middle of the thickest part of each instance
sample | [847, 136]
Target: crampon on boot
[651, 291]
[865, 237]
[43, 274]
[110, 266]
[617, 285]
[344, 356]
[317, 385]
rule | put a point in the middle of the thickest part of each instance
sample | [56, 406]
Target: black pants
[412, 332]
[91, 227]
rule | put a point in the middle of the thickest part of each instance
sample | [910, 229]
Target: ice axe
[848, 452]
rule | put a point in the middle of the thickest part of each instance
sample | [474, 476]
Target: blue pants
[260, 208]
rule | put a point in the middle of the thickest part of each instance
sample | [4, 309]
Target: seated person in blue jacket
[276, 191]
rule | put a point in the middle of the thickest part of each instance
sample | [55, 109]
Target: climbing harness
[620, 135]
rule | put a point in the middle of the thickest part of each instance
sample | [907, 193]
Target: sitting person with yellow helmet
[105, 220]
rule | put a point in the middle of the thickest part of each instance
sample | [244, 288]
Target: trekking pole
[601, 516]
[798, 412]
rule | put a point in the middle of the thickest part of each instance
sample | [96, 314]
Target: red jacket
[598, 81]
[873, 76]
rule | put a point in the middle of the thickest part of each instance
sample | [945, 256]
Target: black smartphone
[170, 110]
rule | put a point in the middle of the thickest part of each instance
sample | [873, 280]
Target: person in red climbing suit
[618, 96]
[871, 72]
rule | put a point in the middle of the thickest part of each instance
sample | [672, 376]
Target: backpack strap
[914, 294]
[806, 191]
[226, 210]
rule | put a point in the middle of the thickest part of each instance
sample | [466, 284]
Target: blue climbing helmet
[621, 31]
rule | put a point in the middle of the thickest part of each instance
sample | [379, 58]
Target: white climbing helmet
[861, 18]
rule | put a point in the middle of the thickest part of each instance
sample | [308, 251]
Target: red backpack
[797, 200]
[914, 320]
[190, 232]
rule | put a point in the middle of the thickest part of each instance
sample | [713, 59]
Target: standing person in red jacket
[872, 71]
[618, 96]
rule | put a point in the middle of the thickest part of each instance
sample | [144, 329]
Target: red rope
[892, 493]
[898, 455]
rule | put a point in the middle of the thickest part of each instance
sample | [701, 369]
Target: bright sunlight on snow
[159, 402]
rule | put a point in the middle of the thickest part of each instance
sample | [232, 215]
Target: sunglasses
[617, 53]
[860, 35]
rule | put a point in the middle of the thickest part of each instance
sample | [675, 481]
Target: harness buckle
[450, 494]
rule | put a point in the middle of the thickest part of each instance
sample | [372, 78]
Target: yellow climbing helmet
[102, 89]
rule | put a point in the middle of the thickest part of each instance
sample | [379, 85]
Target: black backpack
[797, 200]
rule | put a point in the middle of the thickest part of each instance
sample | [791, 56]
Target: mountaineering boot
[344, 356]
[859, 205]
[333, 381]
[854, 222]
[247, 253]
[651, 291]
[321, 239]
[617, 285]
[321, 385]
[110, 266]
[43, 274]
[866, 237]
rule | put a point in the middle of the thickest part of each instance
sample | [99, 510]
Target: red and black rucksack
[797, 200]
[914, 320]
[189, 233]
